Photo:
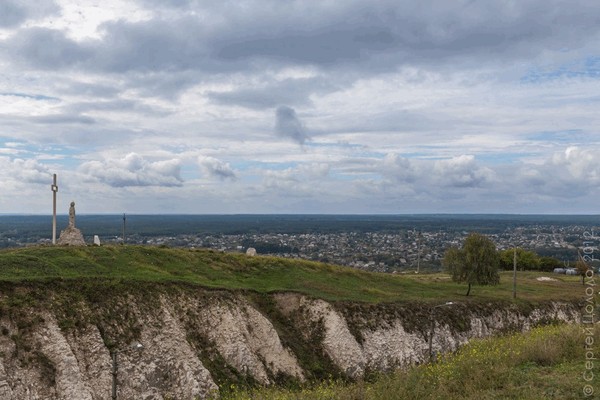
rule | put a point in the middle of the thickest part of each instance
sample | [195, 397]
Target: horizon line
[298, 214]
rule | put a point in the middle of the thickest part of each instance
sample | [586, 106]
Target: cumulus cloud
[303, 180]
[215, 168]
[399, 168]
[581, 164]
[571, 173]
[461, 172]
[134, 170]
[456, 172]
[23, 171]
[289, 126]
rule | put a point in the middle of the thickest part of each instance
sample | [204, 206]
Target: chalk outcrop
[195, 340]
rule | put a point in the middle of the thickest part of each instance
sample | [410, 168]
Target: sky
[281, 106]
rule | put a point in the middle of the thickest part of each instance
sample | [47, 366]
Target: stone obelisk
[71, 236]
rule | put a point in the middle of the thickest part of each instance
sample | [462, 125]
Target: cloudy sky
[281, 106]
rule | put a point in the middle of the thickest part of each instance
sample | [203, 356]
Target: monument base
[71, 236]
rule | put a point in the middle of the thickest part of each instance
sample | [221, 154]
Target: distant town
[381, 252]
[376, 243]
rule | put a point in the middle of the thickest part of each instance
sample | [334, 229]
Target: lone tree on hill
[582, 268]
[476, 263]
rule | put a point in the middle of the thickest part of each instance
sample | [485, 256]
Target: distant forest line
[160, 225]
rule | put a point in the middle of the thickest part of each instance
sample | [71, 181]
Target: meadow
[110, 265]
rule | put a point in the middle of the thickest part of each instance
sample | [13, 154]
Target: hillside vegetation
[545, 363]
[210, 269]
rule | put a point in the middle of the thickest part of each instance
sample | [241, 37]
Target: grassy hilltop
[211, 269]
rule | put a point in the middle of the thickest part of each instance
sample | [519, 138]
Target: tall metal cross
[124, 223]
[54, 188]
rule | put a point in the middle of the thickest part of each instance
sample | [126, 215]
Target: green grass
[545, 363]
[211, 269]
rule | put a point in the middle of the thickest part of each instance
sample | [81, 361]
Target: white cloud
[305, 180]
[134, 170]
[20, 171]
[215, 168]
[581, 164]
[572, 173]
[462, 172]
[456, 172]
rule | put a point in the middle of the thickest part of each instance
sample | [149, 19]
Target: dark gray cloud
[289, 126]
[169, 55]
[44, 48]
[144, 47]
[63, 119]
[169, 3]
[410, 32]
[86, 89]
[15, 12]
[345, 34]
[11, 14]
[154, 45]
[329, 47]
[116, 106]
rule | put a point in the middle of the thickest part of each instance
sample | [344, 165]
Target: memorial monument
[71, 236]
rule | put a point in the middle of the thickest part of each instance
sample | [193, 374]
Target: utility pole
[115, 369]
[115, 366]
[432, 327]
[124, 223]
[515, 273]
[54, 188]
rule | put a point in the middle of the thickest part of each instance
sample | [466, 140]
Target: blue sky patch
[40, 97]
[586, 68]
